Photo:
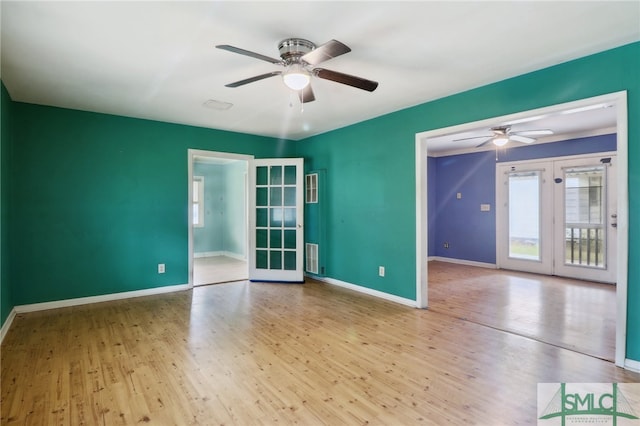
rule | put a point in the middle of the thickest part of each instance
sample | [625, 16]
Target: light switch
[459, 195]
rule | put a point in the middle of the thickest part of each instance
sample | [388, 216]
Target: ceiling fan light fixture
[296, 77]
[500, 140]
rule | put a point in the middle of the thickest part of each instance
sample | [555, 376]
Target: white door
[524, 231]
[585, 211]
[276, 215]
[558, 217]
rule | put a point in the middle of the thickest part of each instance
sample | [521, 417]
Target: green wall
[370, 170]
[99, 200]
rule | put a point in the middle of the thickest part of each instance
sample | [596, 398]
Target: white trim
[238, 256]
[422, 224]
[7, 324]
[191, 153]
[632, 365]
[464, 262]
[366, 290]
[617, 98]
[622, 251]
[33, 307]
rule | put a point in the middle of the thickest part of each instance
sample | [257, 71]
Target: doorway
[218, 231]
[619, 101]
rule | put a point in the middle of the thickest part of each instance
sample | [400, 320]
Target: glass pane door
[523, 212]
[585, 200]
[277, 232]
[584, 228]
[524, 215]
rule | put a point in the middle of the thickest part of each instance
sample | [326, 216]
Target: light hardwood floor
[260, 354]
[573, 314]
[218, 269]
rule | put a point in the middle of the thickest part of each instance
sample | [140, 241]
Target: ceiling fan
[299, 57]
[503, 134]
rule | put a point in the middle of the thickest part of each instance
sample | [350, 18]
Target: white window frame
[198, 201]
[311, 188]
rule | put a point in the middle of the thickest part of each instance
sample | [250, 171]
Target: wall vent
[311, 258]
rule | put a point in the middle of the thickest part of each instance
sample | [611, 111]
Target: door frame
[191, 154]
[422, 238]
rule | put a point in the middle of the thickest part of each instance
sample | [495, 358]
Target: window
[198, 201]
[311, 184]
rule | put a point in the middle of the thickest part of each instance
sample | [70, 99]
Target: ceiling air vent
[219, 105]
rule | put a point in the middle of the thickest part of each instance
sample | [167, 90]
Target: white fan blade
[485, 142]
[520, 138]
[541, 132]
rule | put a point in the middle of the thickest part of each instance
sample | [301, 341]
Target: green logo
[585, 403]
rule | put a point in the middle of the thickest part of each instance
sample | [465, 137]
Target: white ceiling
[158, 60]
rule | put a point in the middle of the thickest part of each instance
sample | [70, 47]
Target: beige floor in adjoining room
[564, 312]
[218, 269]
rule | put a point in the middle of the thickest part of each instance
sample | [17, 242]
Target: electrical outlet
[446, 245]
[381, 271]
[161, 268]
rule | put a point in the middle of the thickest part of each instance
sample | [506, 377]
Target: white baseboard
[101, 298]
[463, 262]
[207, 254]
[219, 253]
[7, 324]
[366, 290]
[632, 365]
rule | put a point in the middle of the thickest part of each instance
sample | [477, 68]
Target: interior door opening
[218, 231]
[616, 100]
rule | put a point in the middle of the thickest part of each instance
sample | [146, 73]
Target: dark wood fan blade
[326, 51]
[252, 79]
[306, 94]
[249, 53]
[485, 142]
[347, 79]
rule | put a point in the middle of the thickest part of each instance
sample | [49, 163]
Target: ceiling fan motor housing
[292, 49]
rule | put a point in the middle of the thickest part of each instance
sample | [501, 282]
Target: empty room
[387, 213]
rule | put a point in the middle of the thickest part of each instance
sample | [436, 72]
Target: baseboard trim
[632, 365]
[366, 290]
[7, 324]
[219, 253]
[463, 262]
[101, 298]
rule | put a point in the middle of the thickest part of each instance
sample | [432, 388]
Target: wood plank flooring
[218, 269]
[573, 314]
[261, 354]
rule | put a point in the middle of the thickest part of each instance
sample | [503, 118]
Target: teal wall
[6, 303]
[224, 227]
[209, 238]
[371, 169]
[235, 229]
[100, 200]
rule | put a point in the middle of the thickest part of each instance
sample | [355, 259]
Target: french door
[585, 204]
[524, 215]
[558, 217]
[276, 220]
